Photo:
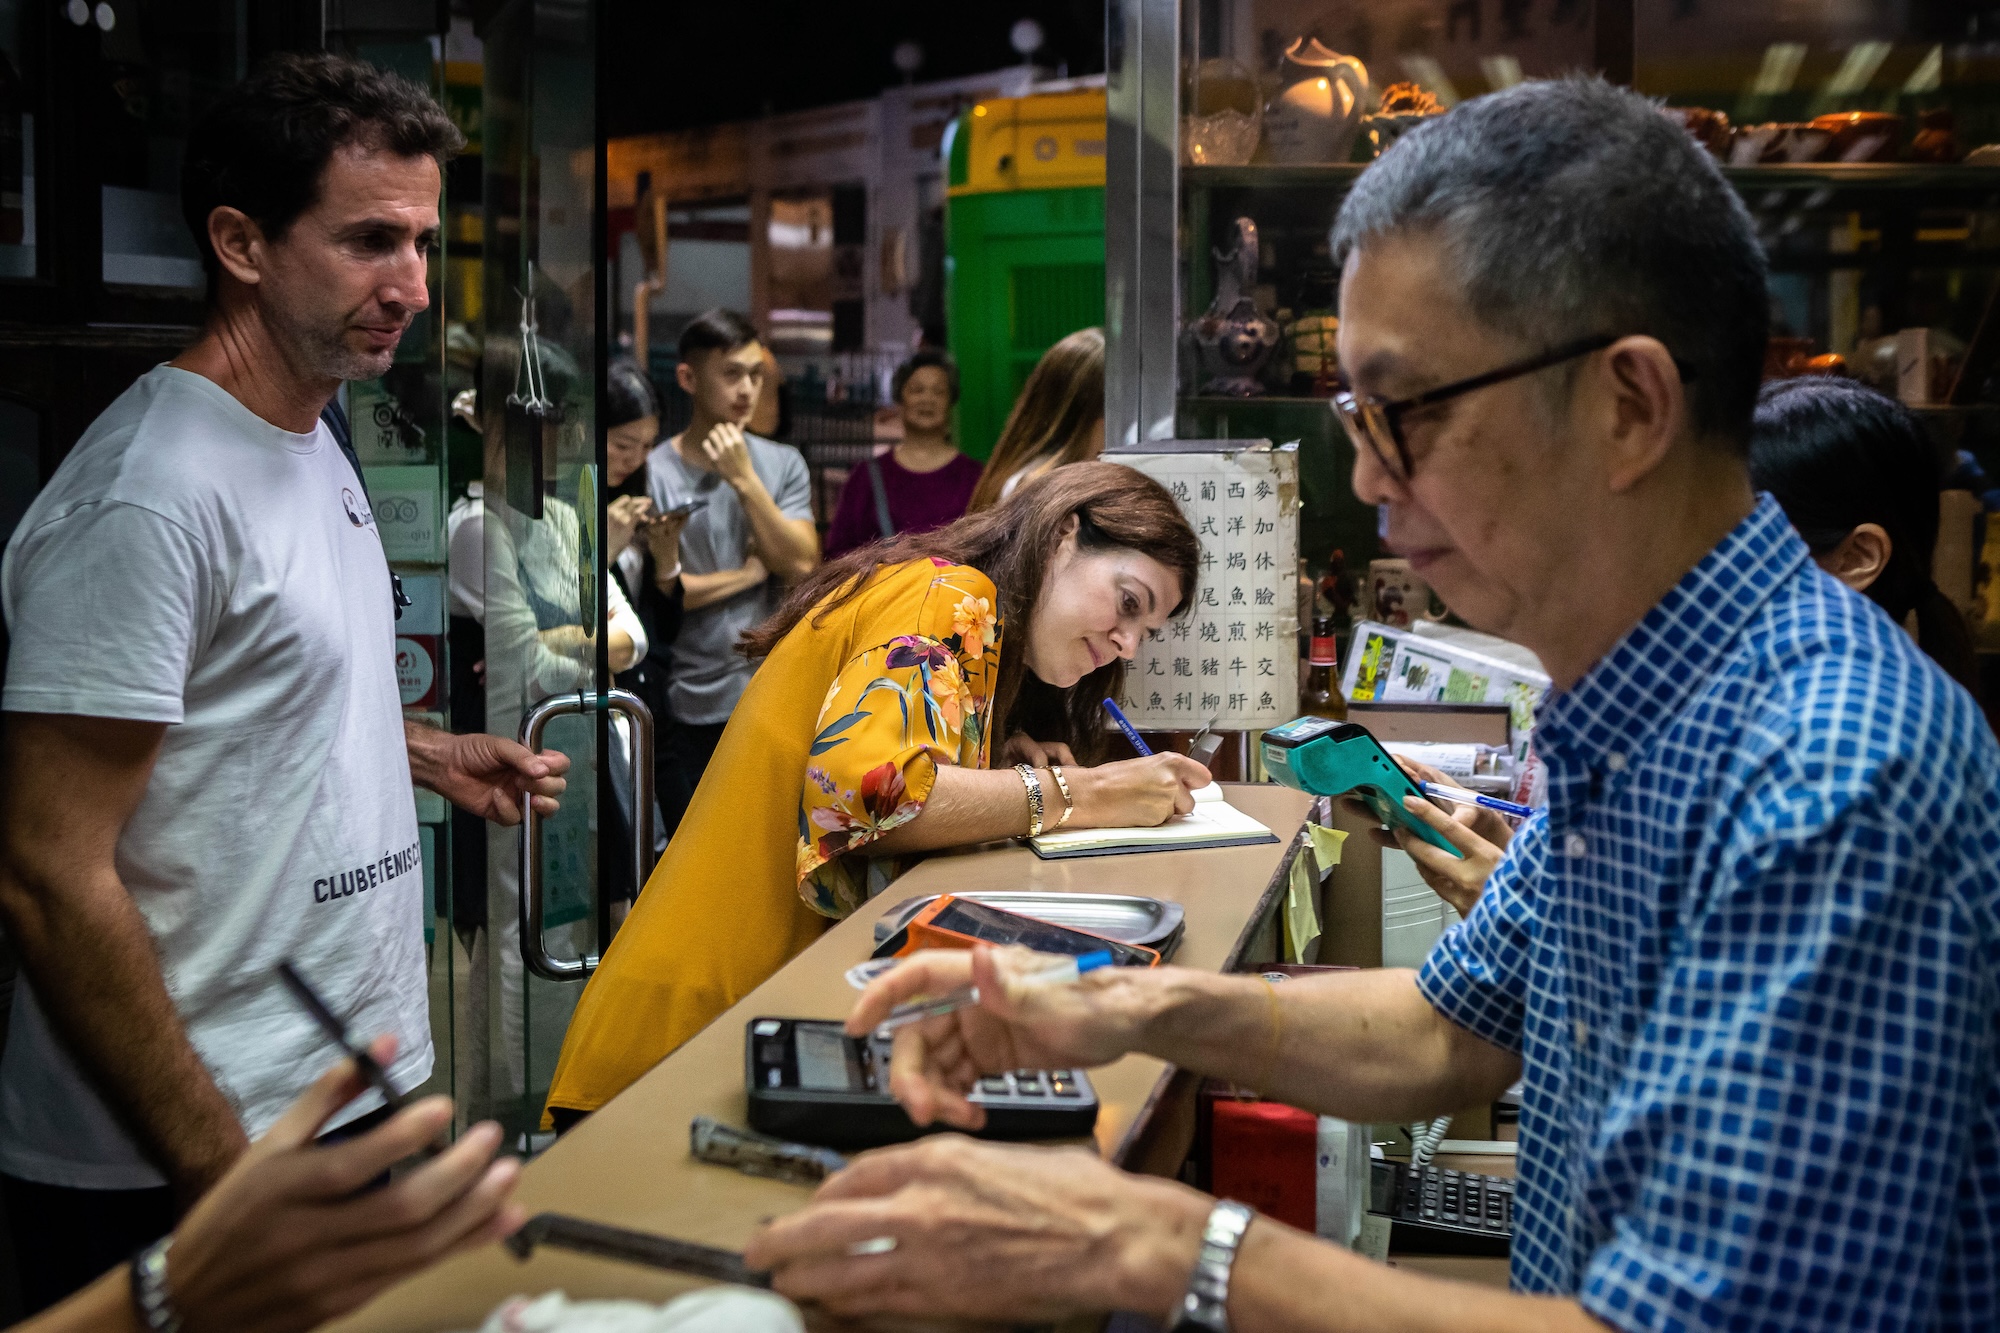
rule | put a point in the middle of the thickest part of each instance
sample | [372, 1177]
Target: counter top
[628, 1165]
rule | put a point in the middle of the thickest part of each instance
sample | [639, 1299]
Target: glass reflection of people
[866, 735]
[1058, 419]
[642, 549]
[753, 535]
[538, 643]
[924, 482]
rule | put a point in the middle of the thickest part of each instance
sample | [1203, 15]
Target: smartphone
[959, 923]
[1332, 758]
[682, 510]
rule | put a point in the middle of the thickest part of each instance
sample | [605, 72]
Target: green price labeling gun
[1329, 758]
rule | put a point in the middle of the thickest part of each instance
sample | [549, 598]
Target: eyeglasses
[1377, 424]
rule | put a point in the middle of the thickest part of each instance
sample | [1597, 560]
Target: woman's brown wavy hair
[1117, 507]
[1055, 418]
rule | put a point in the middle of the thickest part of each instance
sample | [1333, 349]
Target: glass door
[530, 258]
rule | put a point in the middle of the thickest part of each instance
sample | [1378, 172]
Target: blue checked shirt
[1747, 956]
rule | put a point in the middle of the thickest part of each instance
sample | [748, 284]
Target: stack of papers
[1214, 822]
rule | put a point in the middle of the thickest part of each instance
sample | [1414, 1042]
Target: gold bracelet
[1062, 785]
[1033, 783]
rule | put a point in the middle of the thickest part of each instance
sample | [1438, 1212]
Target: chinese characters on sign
[1233, 658]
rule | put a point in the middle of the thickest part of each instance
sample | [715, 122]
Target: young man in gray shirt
[752, 535]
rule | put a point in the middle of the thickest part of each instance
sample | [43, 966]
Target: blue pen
[1125, 725]
[1460, 796]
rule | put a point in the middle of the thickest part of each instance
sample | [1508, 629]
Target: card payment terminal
[807, 1080]
[1330, 758]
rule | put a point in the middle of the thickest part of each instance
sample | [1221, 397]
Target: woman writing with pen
[890, 679]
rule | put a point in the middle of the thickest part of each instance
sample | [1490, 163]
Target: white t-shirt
[192, 564]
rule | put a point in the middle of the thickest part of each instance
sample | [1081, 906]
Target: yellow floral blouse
[896, 711]
[836, 741]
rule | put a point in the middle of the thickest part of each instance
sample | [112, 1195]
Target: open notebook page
[1213, 822]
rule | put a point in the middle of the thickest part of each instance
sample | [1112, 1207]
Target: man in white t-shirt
[208, 765]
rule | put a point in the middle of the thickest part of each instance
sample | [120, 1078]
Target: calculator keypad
[1036, 1087]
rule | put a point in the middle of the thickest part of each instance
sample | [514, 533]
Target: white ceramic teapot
[1317, 114]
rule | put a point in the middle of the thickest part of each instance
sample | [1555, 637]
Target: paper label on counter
[1326, 845]
[1301, 913]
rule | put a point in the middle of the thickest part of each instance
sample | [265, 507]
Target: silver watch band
[149, 1288]
[1205, 1307]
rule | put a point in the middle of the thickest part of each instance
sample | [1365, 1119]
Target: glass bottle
[1321, 696]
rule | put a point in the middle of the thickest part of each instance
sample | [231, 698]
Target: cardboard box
[1395, 666]
[1480, 724]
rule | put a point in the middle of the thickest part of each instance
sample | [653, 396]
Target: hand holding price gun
[1453, 852]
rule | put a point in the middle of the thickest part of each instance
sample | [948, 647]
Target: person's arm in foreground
[701, 590]
[1364, 1046]
[292, 1236]
[85, 947]
[485, 775]
[1027, 1235]
[788, 547]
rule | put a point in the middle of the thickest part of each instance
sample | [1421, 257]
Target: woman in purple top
[924, 482]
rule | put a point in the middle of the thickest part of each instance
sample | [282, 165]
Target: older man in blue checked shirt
[1744, 963]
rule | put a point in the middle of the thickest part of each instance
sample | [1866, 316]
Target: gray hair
[1570, 208]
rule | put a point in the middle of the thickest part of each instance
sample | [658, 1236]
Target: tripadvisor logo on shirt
[388, 866]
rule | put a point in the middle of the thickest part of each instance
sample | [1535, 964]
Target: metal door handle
[534, 953]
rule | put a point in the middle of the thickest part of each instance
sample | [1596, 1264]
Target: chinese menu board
[1232, 661]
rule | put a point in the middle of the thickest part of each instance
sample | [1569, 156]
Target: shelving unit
[1918, 230]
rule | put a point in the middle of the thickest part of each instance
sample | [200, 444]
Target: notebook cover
[1072, 853]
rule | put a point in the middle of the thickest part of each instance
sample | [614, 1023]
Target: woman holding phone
[643, 549]
[867, 735]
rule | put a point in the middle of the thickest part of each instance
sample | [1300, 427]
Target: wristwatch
[1205, 1308]
[149, 1288]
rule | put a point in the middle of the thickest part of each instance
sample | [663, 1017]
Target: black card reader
[809, 1081]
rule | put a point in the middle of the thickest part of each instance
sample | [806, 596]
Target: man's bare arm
[789, 547]
[699, 590]
[1013, 1234]
[75, 781]
[1363, 1046]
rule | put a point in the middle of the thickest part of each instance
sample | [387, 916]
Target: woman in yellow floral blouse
[866, 736]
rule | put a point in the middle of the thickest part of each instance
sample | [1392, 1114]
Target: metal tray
[1133, 920]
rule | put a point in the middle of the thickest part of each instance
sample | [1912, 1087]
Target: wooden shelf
[1276, 399]
[1791, 175]
[1335, 175]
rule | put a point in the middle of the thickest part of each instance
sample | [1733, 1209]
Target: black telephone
[1433, 1210]
[810, 1082]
